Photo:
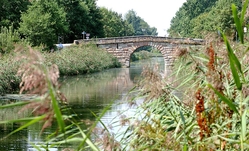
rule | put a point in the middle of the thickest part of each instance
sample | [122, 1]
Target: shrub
[9, 81]
[8, 38]
[81, 60]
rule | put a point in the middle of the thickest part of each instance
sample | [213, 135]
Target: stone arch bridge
[123, 47]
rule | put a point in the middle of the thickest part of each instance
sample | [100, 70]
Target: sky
[157, 13]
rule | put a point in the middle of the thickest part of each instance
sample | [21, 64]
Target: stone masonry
[123, 47]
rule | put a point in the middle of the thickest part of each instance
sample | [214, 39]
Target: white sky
[157, 13]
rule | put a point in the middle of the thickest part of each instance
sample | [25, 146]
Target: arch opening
[148, 56]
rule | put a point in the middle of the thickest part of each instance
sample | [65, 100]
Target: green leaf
[14, 104]
[228, 139]
[243, 11]
[88, 141]
[243, 121]
[235, 75]
[57, 111]
[231, 105]
[185, 148]
[234, 62]
[36, 119]
[182, 117]
[86, 137]
[55, 104]
[18, 120]
[238, 24]
[232, 55]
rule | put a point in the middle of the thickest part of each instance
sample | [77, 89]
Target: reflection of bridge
[123, 47]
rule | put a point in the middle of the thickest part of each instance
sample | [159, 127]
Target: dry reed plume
[37, 79]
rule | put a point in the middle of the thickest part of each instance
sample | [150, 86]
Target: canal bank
[86, 94]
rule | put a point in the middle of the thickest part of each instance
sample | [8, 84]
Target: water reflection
[84, 93]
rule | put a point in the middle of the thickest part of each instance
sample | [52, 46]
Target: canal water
[85, 94]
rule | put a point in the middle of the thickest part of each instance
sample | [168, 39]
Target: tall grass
[9, 81]
[8, 38]
[211, 110]
[70, 61]
[42, 80]
[81, 60]
[204, 105]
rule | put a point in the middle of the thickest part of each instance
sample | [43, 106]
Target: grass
[74, 60]
[211, 111]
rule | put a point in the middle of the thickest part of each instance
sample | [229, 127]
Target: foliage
[8, 38]
[10, 12]
[43, 22]
[140, 55]
[9, 81]
[77, 13]
[94, 24]
[48, 22]
[114, 24]
[198, 18]
[81, 60]
[140, 26]
[39, 79]
[202, 105]
[82, 15]
[70, 61]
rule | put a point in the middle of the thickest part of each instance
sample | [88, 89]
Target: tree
[77, 14]
[140, 26]
[199, 17]
[181, 24]
[94, 25]
[114, 25]
[218, 18]
[10, 12]
[43, 22]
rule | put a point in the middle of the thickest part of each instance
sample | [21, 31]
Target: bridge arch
[166, 52]
[123, 47]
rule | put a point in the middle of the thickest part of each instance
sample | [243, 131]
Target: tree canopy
[140, 26]
[43, 22]
[114, 24]
[200, 17]
[10, 12]
[46, 22]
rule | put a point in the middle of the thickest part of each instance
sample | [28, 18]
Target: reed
[211, 110]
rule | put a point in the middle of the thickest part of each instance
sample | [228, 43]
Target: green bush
[81, 59]
[8, 38]
[9, 81]
[73, 60]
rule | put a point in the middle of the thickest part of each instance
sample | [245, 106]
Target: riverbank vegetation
[42, 24]
[74, 60]
[203, 104]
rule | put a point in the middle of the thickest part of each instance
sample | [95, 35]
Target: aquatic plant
[42, 81]
[205, 106]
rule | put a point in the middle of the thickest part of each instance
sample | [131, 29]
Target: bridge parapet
[133, 39]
